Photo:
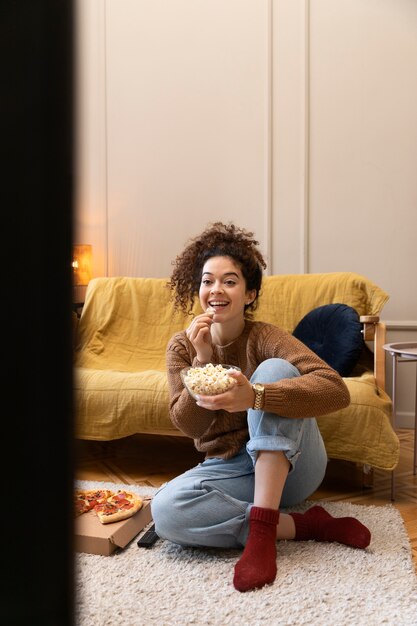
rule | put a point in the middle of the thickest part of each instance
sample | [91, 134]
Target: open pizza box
[93, 537]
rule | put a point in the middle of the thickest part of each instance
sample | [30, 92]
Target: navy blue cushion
[333, 331]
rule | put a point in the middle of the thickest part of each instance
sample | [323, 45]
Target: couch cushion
[126, 324]
[112, 404]
[333, 331]
[286, 298]
[362, 432]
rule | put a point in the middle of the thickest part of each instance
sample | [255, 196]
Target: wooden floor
[152, 460]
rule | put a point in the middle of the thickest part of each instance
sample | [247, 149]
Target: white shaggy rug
[317, 583]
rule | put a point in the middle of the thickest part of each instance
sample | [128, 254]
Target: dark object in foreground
[149, 538]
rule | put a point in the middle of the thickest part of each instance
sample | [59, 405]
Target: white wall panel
[290, 136]
[363, 144]
[187, 125]
[90, 223]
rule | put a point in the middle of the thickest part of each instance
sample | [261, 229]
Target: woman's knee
[271, 370]
[167, 515]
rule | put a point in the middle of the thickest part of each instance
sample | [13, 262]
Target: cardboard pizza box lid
[93, 537]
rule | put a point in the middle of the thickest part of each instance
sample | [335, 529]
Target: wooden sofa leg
[367, 476]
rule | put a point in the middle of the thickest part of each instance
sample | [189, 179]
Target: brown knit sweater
[319, 389]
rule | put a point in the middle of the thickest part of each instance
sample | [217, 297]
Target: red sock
[318, 524]
[257, 566]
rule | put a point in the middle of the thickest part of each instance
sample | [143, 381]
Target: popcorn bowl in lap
[209, 380]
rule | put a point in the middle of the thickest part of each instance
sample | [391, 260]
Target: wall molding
[400, 324]
[269, 135]
[305, 148]
[404, 419]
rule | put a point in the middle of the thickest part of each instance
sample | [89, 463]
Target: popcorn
[208, 380]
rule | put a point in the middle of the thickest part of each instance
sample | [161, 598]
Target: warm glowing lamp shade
[81, 264]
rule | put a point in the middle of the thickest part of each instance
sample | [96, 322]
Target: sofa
[120, 382]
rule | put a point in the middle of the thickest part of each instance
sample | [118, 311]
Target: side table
[403, 352]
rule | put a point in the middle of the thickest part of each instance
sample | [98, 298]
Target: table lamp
[81, 265]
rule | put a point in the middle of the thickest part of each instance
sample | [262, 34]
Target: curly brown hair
[217, 239]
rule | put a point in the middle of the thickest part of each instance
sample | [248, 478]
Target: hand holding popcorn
[199, 334]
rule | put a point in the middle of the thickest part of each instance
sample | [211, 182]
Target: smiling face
[223, 288]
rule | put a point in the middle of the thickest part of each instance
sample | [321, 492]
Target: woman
[263, 449]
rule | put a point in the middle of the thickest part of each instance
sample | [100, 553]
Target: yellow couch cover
[120, 384]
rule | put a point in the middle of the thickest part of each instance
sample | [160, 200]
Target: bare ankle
[286, 527]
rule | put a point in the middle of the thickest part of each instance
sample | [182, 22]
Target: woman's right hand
[199, 334]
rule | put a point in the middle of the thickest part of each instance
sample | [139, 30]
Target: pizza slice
[85, 500]
[80, 506]
[118, 506]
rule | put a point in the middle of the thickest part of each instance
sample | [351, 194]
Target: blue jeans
[209, 505]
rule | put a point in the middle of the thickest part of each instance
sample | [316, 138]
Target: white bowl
[208, 380]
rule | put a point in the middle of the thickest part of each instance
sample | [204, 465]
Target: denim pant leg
[299, 439]
[208, 505]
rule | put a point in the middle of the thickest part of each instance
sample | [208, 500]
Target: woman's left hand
[240, 397]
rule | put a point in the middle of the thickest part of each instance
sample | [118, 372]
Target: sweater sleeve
[317, 391]
[185, 414]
